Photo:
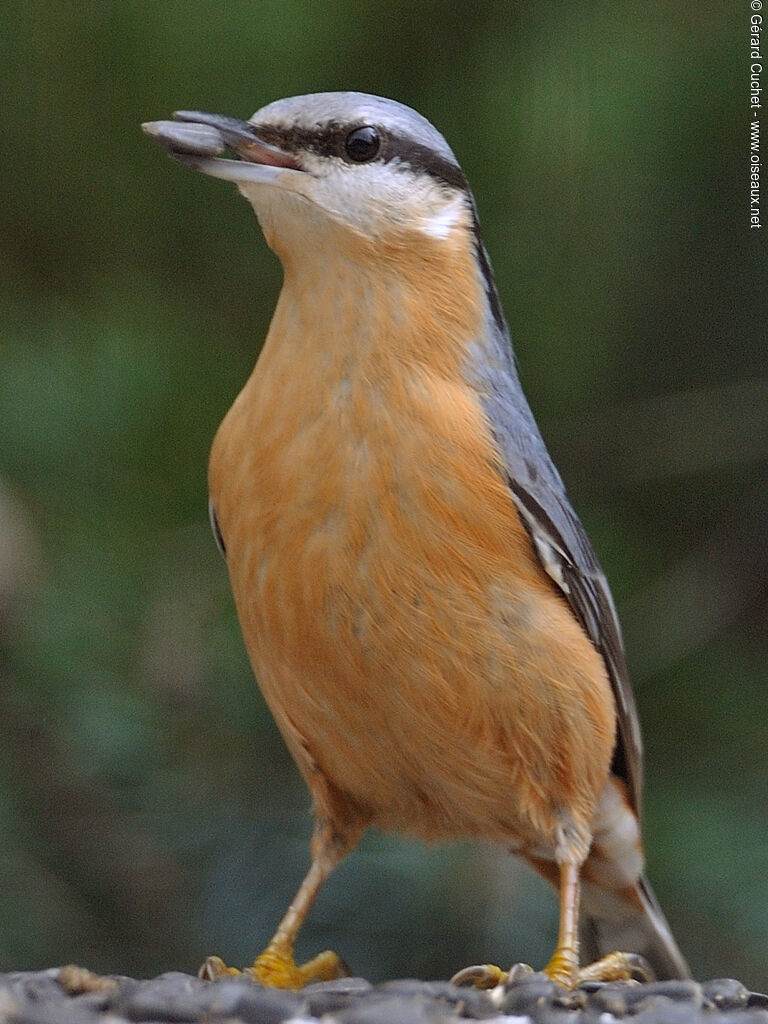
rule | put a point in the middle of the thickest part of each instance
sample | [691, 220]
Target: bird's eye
[362, 144]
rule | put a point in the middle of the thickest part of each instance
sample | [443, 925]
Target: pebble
[529, 993]
[328, 997]
[725, 994]
[72, 995]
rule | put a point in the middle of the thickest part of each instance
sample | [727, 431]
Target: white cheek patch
[372, 199]
[442, 223]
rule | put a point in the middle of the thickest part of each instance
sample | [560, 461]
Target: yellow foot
[277, 969]
[618, 967]
[564, 968]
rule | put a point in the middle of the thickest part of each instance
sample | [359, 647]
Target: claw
[213, 967]
[618, 967]
[481, 976]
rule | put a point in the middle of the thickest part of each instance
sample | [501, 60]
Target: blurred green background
[148, 811]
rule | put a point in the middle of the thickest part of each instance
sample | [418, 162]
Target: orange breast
[396, 617]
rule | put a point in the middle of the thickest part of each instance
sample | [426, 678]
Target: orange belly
[398, 623]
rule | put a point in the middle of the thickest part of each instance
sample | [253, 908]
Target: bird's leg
[276, 966]
[564, 965]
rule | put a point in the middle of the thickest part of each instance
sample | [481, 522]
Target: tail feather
[619, 909]
[632, 921]
[619, 912]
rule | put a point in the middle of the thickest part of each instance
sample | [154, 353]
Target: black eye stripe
[329, 139]
[423, 158]
[326, 141]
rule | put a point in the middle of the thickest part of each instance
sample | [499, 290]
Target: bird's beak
[196, 139]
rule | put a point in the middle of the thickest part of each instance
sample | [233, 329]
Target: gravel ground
[72, 995]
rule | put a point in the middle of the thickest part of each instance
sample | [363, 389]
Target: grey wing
[557, 535]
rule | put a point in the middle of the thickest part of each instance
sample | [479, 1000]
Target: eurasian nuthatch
[422, 608]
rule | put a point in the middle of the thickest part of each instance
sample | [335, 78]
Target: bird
[422, 609]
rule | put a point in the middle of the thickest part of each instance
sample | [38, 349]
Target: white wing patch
[551, 555]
